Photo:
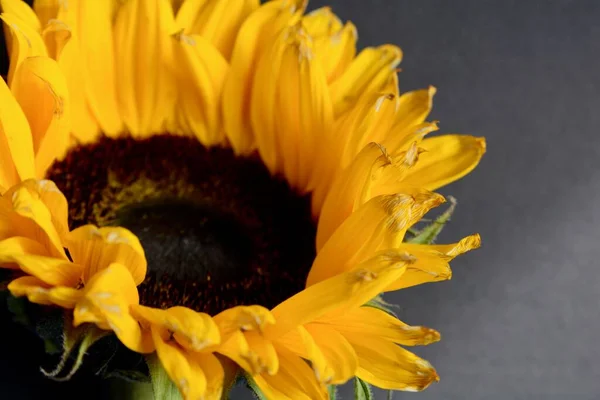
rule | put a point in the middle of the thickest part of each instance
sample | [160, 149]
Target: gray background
[519, 319]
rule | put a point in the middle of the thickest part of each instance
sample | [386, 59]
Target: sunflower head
[226, 187]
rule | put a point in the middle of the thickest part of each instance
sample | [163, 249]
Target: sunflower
[219, 181]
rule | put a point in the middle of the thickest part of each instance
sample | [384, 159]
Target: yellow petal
[18, 245]
[216, 20]
[107, 298]
[388, 366]
[341, 292]
[213, 372]
[39, 292]
[192, 330]
[201, 73]
[334, 43]
[46, 10]
[262, 352]
[34, 218]
[245, 318]
[431, 262]
[16, 146]
[53, 271]
[295, 380]
[142, 35]
[186, 374]
[374, 324]
[377, 225]
[338, 353]
[97, 248]
[91, 23]
[25, 41]
[21, 10]
[41, 90]
[447, 159]
[262, 24]
[291, 109]
[369, 72]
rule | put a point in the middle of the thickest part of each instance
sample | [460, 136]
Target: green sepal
[258, 394]
[428, 234]
[162, 386]
[362, 390]
[332, 390]
[390, 394]
[379, 303]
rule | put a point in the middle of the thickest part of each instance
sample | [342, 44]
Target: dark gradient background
[519, 319]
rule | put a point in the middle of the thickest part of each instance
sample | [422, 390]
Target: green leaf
[428, 234]
[362, 390]
[162, 386]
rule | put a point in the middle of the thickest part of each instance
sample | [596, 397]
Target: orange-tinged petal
[18, 245]
[53, 271]
[201, 74]
[97, 248]
[91, 22]
[16, 146]
[261, 25]
[213, 372]
[41, 90]
[218, 21]
[192, 330]
[107, 298]
[142, 38]
[245, 318]
[39, 292]
[186, 374]
[377, 225]
[447, 159]
[374, 324]
[341, 358]
[262, 352]
[369, 72]
[341, 292]
[46, 10]
[295, 380]
[388, 366]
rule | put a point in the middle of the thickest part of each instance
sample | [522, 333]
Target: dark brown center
[218, 230]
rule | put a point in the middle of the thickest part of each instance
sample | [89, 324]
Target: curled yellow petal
[97, 248]
[40, 292]
[192, 330]
[41, 90]
[107, 298]
[52, 271]
[16, 146]
[25, 41]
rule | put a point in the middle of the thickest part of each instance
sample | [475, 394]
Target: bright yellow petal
[431, 262]
[291, 110]
[192, 330]
[262, 352]
[16, 146]
[245, 318]
[447, 159]
[107, 298]
[388, 366]
[39, 292]
[201, 74]
[218, 21]
[374, 324]
[46, 10]
[52, 271]
[21, 10]
[334, 43]
[18, 245]
[369, 72]
[186, 374]
[41, 90]
[91, 23]
[143, 41]
[338, 353]
[341, 292]
[295, 380]
[25, 40]
[264, 23]
[213, 372]
[97, 248]
[377, 225]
